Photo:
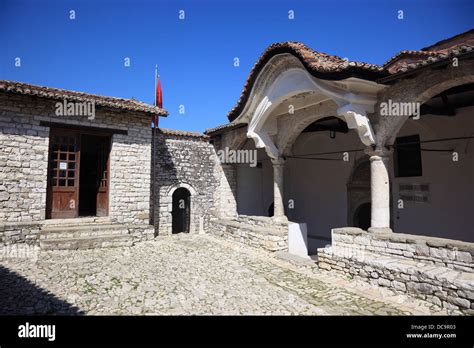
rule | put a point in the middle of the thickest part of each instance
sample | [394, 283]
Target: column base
[282, 218]
[380, 230]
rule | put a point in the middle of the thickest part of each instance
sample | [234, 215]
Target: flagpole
[154, 152]
[156, 80]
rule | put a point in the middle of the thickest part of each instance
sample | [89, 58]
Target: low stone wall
[20, 232]
[434, 269]
[142, 233]
[436, 251]
[256, 231]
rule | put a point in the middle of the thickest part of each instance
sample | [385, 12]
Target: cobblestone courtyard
[186, 274]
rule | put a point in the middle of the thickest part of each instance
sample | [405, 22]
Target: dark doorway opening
[93, 190]
[271, 210]
[78, 173]
[362, 216]
[181, 210]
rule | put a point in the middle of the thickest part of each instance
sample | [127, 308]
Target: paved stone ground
[186, 274]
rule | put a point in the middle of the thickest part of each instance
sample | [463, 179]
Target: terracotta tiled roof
[466, 38]
[61, 94]
[329, 67]
[223, 127]
[180, 133]
[406, 60]
[319, 64]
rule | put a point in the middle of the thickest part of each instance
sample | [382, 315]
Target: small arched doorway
[362, 216]
[181, 212]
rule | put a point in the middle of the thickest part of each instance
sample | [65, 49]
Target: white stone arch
[172, 188]
[421, 89]
[283, 78]
[292, 128]
[193, 223]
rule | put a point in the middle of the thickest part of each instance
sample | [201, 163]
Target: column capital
[356, 118]
[381, 152]
[278, 162]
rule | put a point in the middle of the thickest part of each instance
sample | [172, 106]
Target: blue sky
[195, 56]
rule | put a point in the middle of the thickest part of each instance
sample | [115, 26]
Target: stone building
[369, 167]
[76, 167]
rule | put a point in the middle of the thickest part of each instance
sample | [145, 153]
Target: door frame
[186, 214]
[49, 189]
[78, 131]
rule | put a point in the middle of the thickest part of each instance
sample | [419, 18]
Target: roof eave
[413, 71]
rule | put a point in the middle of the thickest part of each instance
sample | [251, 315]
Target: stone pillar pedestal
[279, 208]
[379, 190]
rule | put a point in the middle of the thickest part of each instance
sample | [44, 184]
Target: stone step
[78, 231]
[101, 241]
[77, 221]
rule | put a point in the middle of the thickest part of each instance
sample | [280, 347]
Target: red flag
[159, 95]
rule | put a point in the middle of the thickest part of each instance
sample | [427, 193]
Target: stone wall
[187, 161]
[256, 231]
[448, 253]
[438, 270]
[24, 146]
[23, 159]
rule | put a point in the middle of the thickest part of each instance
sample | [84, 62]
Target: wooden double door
[78, 174]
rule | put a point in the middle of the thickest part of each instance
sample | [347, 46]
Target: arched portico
[287, 92]
[439, 170]
[286, 98]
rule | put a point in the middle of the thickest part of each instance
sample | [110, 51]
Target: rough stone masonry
[24, 160]
[188, 160]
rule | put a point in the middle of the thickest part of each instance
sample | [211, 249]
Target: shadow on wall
[163, 175]
[19, 296]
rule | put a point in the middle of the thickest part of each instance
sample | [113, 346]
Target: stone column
[380, 190]
[279, 209]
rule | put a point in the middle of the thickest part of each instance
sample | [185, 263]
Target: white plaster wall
[319, 188]
[255, 185]
[451, 207]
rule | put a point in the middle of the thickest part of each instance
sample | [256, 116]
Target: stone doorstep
[76, 231]
[87, 242]
[89, 235]
[77, 221]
